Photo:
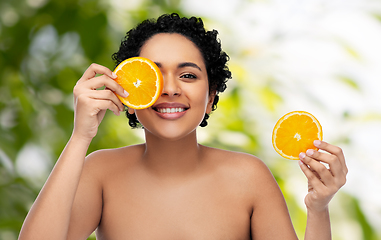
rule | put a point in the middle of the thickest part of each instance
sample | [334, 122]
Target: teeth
[170, 110]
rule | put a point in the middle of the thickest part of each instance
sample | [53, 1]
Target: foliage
[44, 48]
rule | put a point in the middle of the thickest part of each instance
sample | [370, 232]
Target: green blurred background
[319, 56]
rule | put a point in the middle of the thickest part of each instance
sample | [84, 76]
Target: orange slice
[142, 79]
[294, 133]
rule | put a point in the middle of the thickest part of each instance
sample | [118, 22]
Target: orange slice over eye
[294, 133]
[142, 79]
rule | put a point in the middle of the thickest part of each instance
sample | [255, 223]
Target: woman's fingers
[87, 87]
[103, 105]
[95, 102]
[101, 81]
[335, 175]
[334, 157]
[323, 175]
[334, 151]
[106, 79]
[323, 182]
[107, 95]
[91, 104]
[95, 69]
[312, 176]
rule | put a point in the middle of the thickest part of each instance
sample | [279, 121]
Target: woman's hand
[323, 182]
[91, 104]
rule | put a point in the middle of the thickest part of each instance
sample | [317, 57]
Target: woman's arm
[50, 215]
[270, 218]
[323, 183]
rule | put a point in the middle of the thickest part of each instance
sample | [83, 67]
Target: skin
[170, 187]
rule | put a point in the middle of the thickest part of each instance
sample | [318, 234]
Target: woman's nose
[171, 86]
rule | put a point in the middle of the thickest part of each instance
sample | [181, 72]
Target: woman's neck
[174, 158]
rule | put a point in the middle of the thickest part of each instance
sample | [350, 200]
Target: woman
[171, 187]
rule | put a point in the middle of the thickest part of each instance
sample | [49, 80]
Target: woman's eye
[188, 75]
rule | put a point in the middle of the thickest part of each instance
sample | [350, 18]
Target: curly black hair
[193, 29]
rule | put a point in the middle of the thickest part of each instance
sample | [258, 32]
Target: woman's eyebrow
[182, 65]
[189, 64]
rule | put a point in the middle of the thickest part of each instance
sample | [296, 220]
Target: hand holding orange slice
[294, 133]
[142, 79]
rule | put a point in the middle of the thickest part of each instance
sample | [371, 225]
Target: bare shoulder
[236, 161]
[247, 177]
[105, 161]
[245, 170]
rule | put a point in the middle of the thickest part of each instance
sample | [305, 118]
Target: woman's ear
[131, 111]
[209, 107]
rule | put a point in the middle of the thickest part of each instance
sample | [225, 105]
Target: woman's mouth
[169, 110]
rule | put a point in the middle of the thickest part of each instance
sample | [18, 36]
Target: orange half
[294, 133]
[142, 79]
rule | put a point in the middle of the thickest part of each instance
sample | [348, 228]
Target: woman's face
[185, 98]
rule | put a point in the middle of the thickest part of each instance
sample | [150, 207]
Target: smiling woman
[170, 186]
[193, 29]
[185, 85]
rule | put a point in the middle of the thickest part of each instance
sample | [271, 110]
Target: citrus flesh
[142, 79]
[294, 133]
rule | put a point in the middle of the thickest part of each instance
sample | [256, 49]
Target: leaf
[349, 82]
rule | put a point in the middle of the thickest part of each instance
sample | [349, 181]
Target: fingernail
[317, 143]
[125, 93]
[310, 152]
[114, 75]
[302, 155]
[300, 163]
